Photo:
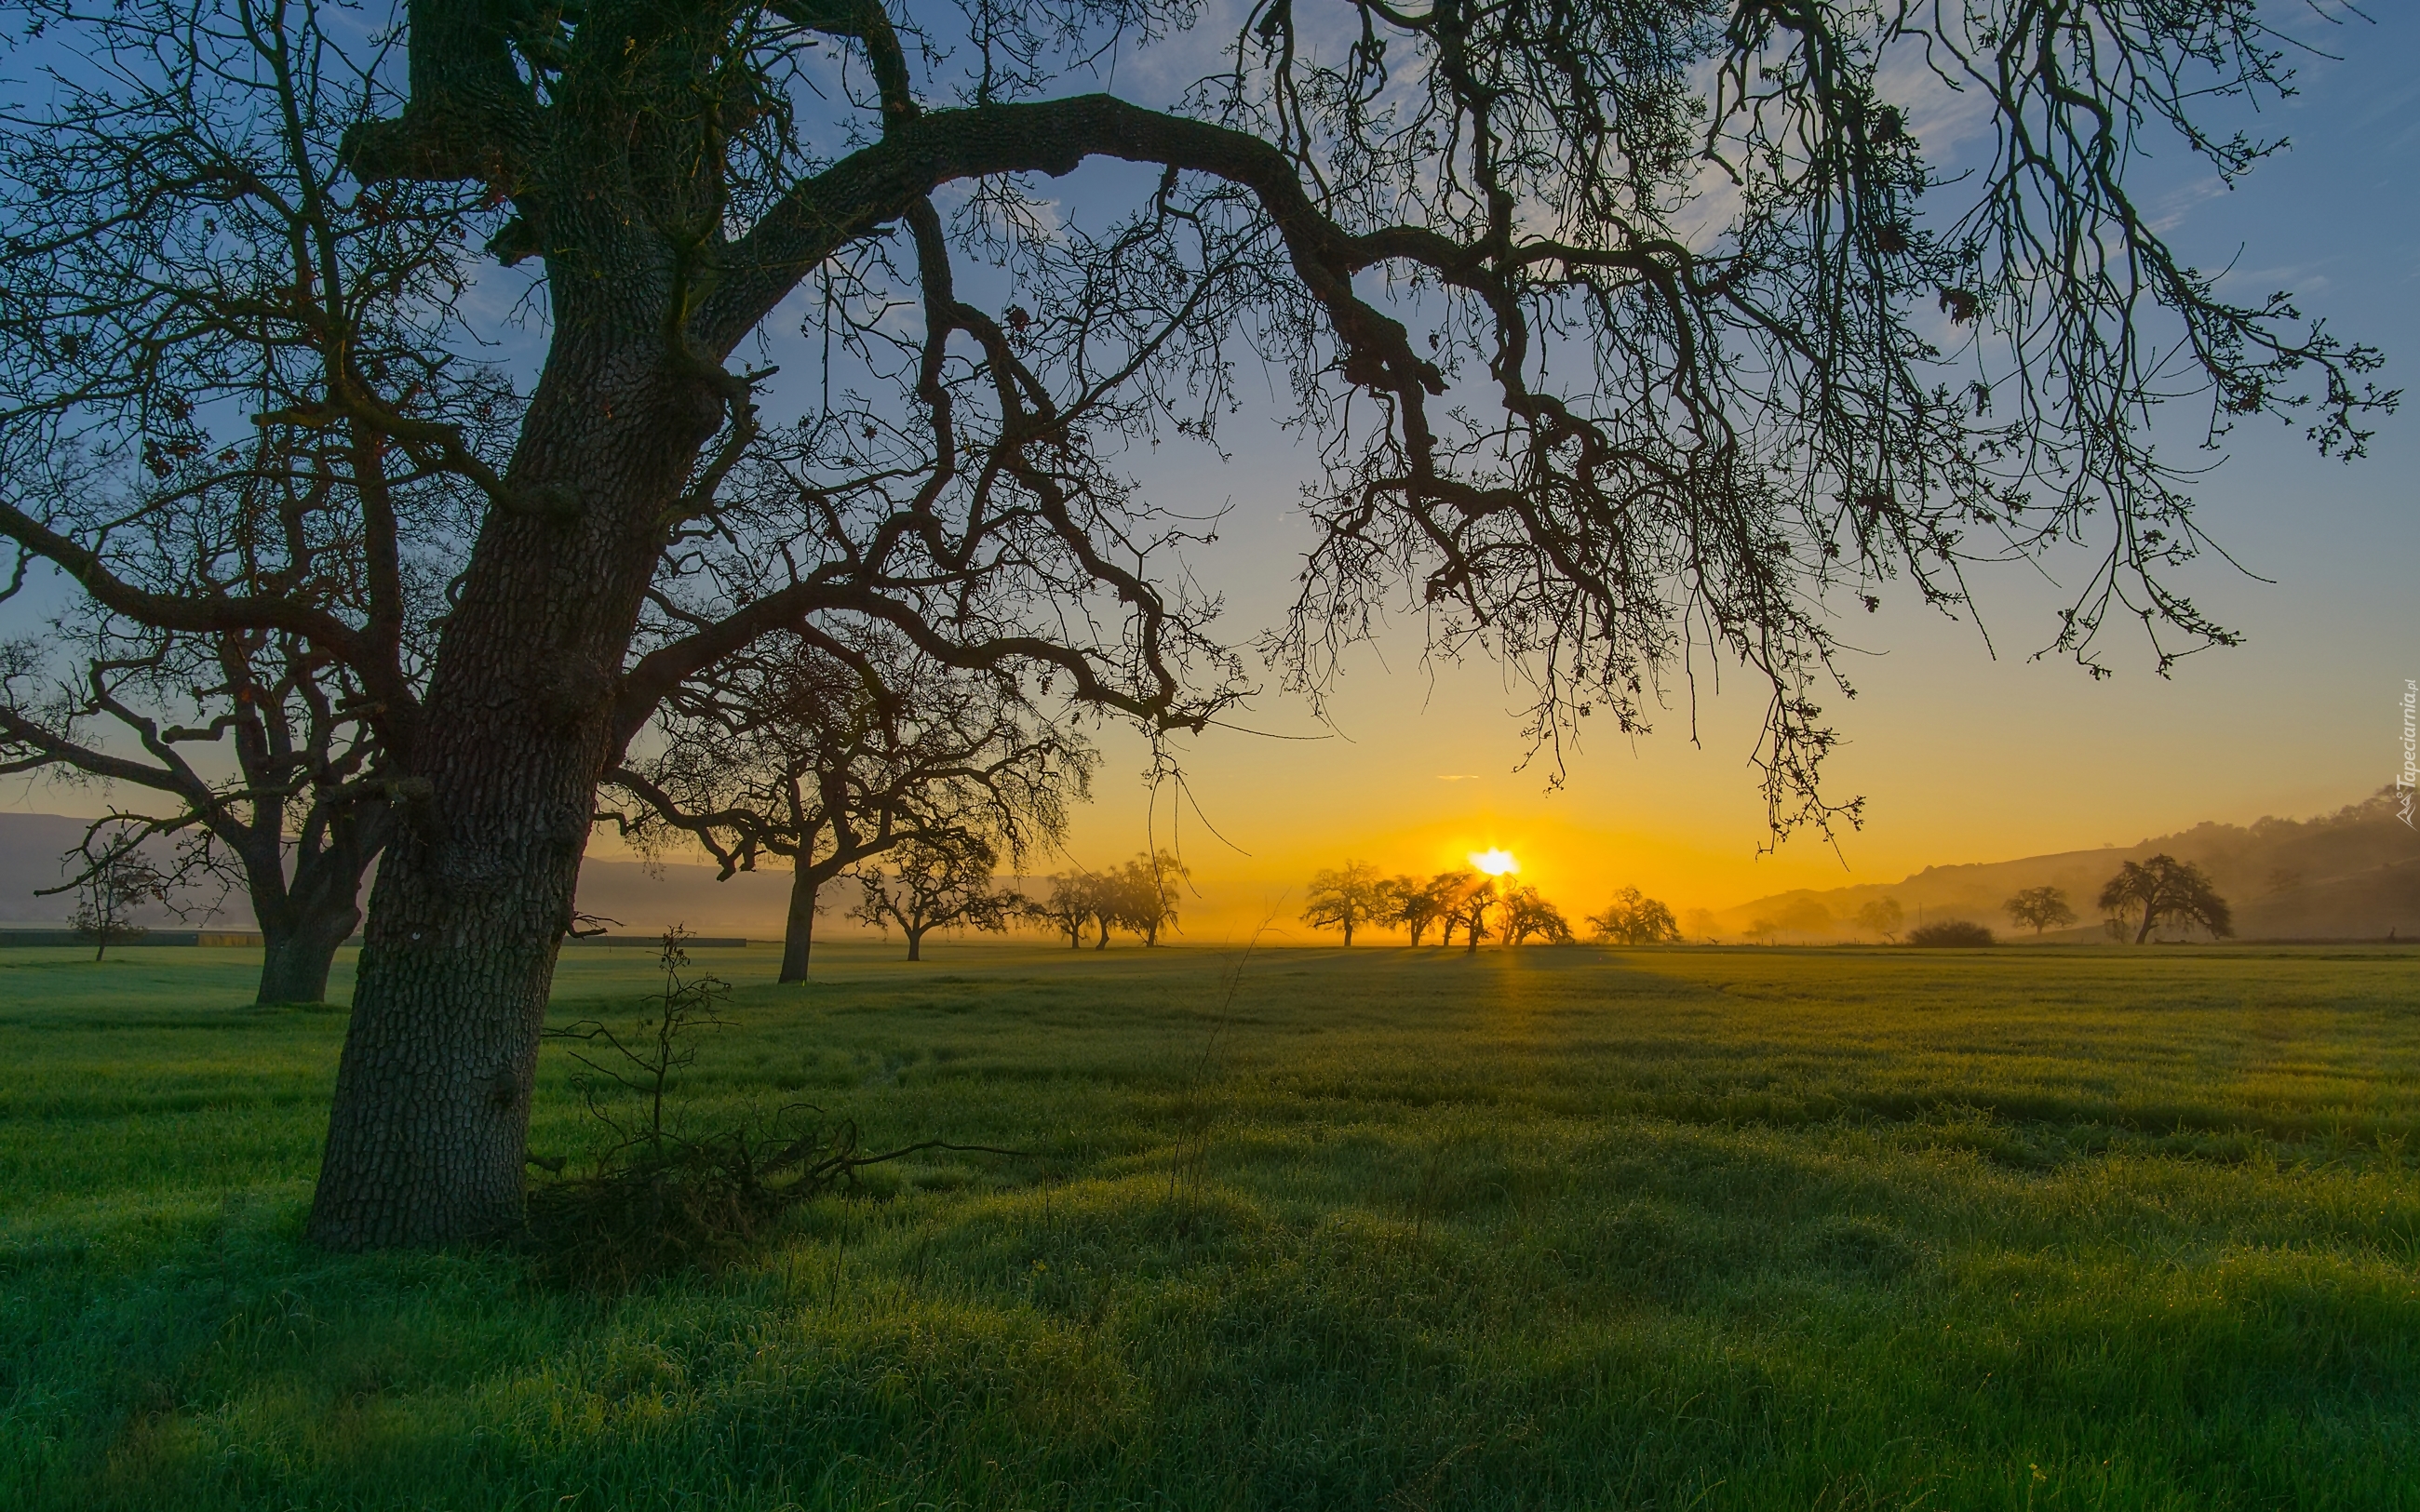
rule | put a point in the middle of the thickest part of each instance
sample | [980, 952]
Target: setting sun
[1494, 863]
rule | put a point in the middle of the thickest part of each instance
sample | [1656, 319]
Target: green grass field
[1684, 1229]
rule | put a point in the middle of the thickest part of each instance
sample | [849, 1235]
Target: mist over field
[2350, 874]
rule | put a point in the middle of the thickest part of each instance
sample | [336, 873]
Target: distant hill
[2351, 875]
[30, 847]
[642, 899]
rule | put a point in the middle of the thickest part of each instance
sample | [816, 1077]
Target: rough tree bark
[427, 1132]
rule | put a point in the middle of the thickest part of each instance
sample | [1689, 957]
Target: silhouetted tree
[1882, 917]
[228, 411]
[1349, 898]
[1419, 904]
[113, 881]
[1067, 907]
[2040, 908]
[273, 782]
[1635, 918]
[934, 883]
[1743, 247]
[2164, 890]
[1529, 915]
[1452, 890]
[1470, 911]
[1143, 894]
[829, 749]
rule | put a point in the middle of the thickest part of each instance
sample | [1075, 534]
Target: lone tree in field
[115, 881]
[2040, 909]
[1635, 918]
[830, 750]
[1882, 917]
[1067, 907]
[2164, 890]
[1616, 330]
[1527, 916]
[1143, 894]
[1351, 898]
[937, 883]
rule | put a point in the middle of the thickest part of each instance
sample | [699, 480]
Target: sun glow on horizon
[1494, 863]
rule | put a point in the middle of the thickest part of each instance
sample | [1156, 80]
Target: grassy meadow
[1560, 1227]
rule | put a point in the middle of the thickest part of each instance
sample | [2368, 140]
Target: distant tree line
[1357, 897]
[1140, 897]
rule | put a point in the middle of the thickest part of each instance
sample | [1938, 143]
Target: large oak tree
[1619, 326]
[830, 750]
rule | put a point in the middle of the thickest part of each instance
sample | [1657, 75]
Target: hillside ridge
[2350, 874]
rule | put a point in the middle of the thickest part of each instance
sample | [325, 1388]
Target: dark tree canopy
[2162, 891]
[1148, 893]
[1349, 897]
[2040, 908]
[1619, 331]
[1528, 915]
[273, 781]
[941, 883]
[1143, 896]
[828, 749]
[1417, 906]
[1067, 907]
[1635, 918]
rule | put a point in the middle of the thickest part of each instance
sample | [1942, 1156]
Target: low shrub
[1949, 932]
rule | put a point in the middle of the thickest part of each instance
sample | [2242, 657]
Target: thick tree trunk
[302, 930]
[429, 1124]
[2145, 933]
[296, 959]
[798, 930]
[915, 945]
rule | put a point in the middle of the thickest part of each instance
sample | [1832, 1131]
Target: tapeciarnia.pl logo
[2406, 779]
